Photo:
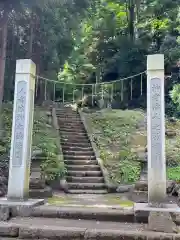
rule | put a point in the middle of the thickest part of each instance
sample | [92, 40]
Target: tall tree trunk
[31, 36]
[3, 45]
[131, 23]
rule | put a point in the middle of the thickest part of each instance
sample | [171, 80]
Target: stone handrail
[88, 126]
[56, 126]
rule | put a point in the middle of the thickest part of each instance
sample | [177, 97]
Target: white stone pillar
[156, 129]
[21, 140]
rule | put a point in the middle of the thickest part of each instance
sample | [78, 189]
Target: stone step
[49, 215]
[84, 173]
[80, 162]
[64, 109]
[41, 193]
[74, 136]
[85, 179]
[79, 157]
[66, 112]
[71, 126]
[86, 229]
[79, 153]
[35, 169]
[77, 134]
[75, 144]
[77, 148]
[91, 186]
[87, 191]
[72, 131]
[69, 116]
[70, 123]
[67, 121]
[99, 214]
[83, 168]
[75, 139]
[37, 183]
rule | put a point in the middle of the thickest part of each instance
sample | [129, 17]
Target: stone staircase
[83, 172]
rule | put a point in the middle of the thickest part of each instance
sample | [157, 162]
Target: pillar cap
[25, 66]
[155, 62]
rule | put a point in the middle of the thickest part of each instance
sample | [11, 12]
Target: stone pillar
[21, 140]
[156, 129]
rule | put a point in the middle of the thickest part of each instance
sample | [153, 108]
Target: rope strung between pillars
[63, 92]
[89, 84]
[102, 92]
[92, 95]
[45, 91]
[94, 87]
[112, 92]
[37, 82]
[131, 88]
[122, 90]
[141, 84]
[73, 95]
[95, 90]
[54, 92]
[82, 92]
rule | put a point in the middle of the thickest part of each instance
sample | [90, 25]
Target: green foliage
[44, 138]
[175, 95]
[114, 131]
[52, 168]
[174, 173]
[7, 125]
[129, 171]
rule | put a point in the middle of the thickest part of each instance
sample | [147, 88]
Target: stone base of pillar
[17, 207]
[159, 219]
[161, 222]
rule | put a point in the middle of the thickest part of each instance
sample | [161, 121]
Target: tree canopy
[87, 41]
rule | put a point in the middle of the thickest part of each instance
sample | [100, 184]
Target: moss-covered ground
[97, 200]
[121, 137]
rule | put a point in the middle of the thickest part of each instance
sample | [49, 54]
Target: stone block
[18, 208]
[141, 186]
[124, 188]
[8, 230]
[41, 193]
[37, 183]
[170, 133]
[4, 213]
[161, 222]
[49, 232]
[142, 212]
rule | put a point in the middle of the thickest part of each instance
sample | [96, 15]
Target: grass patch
[115, 129]
[173, 173]
[121, 137]
[44, 140]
